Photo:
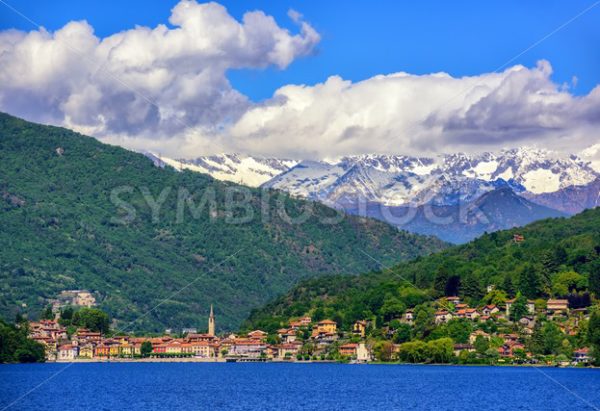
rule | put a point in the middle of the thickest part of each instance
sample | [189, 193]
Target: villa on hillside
[530, 306]
[556, 305]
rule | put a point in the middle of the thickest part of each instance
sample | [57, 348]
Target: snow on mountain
[247, 170]
[397, 180]
[446, 180]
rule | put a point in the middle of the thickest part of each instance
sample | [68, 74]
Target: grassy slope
[57, 232]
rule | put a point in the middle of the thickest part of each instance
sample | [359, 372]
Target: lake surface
[282, 387]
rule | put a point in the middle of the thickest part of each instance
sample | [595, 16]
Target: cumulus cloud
[404, 113]
[145, 82]
[592, 154]
[166, 89]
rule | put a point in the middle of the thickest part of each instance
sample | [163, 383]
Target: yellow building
[86, 351]
[129, 350]
[360, 328]
[327, 327]
[174, 347]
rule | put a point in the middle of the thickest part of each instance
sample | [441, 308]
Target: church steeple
[211, 322]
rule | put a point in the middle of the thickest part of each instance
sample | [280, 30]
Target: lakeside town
[490, 334]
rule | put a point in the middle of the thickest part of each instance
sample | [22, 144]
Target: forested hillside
[555, 257]
[60, 230]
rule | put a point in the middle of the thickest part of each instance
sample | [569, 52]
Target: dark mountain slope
[59, 229]
[496, 210]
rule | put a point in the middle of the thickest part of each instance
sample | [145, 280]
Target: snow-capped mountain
[511, 187]
[246, 170]
[445, 180]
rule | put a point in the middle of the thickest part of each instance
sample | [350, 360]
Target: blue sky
[361, 39]
[516, 73]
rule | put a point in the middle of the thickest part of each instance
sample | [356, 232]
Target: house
[86, 350]
[200, 337]
[247, 347]
[296, 324]
[408, 316]
[581, 356]
[348, 350]
[360, 328]
[479, 333]
[530, 306]
[442, 316]
[460, 313]
[327, 327]
[202, 349]
[288, 336]
[458, 348]
[527, 321]
[173, 347]
[48, 329]
[461, 306]
[453, 300]
[67, 352]
[490, 309]
[326, 338]
[258, 335]
[508, 350]
[128, 349]
[83, 335]
[509, 338]
[471, 314]
[555, 305]
[363, 354]
[81, 298]
[288, 350]
[305, 321]
[357, 351]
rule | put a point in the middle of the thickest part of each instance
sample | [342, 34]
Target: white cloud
[404, 113]
[103, 87]
[592, 154]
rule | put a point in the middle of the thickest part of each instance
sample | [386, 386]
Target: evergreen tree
[508, 285]
[452, 286]
[481, 344]
[560, 255]
[146, 348]
[47, 314]
[594, 279]
[553, 338]
[518, 308]
[441, 280]
[529, 281]
[594, 335]
[536, 342]
[471, 287]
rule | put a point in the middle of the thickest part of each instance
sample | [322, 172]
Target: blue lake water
[282, 387]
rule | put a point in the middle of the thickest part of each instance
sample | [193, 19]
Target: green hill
[60, 230]
[557, 257]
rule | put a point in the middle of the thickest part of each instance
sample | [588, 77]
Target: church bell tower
[211, 322]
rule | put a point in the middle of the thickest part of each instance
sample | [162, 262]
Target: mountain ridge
[66, 204]
[399, 180]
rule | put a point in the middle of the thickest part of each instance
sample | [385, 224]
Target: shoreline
[224, 361]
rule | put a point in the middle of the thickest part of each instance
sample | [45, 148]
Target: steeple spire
[211, 322]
